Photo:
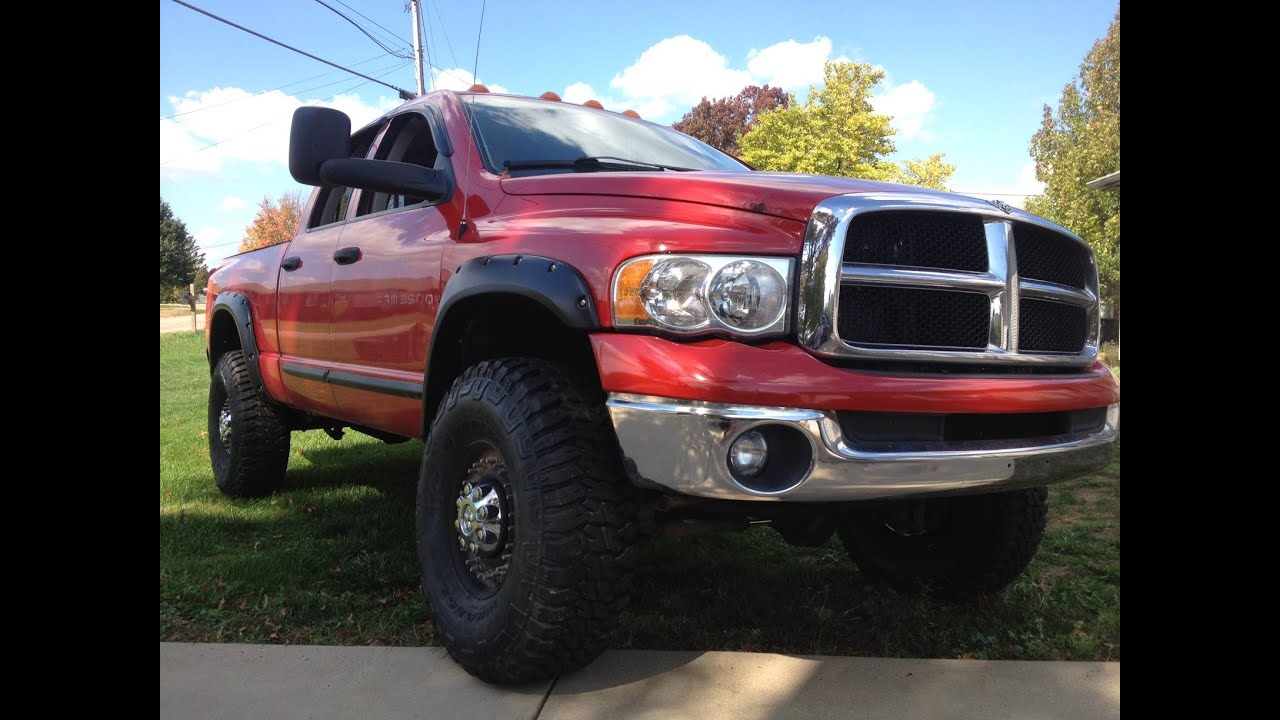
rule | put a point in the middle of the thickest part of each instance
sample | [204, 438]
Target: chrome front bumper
[683, 445]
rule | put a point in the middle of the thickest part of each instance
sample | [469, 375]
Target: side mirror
[317, 136]
[386, 176]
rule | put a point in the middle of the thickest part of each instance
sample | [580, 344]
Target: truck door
[386, 289]
[303, 298]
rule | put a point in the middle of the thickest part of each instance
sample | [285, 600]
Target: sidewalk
[275, 681]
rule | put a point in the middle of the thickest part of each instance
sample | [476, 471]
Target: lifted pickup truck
[605, 330]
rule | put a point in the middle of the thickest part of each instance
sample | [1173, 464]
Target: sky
[968, 79]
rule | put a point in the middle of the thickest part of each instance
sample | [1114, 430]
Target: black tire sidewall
[223, 389]
[255, 464]
[574, 532]
[982, 543]
[459, 609]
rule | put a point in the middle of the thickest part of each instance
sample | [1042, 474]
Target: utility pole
[417, 47]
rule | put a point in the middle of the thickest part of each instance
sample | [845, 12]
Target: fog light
[749, 454]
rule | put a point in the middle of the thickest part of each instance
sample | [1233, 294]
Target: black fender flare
[553, 284]
[237, 306]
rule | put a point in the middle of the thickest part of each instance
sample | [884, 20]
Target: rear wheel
[526, 527]
[955, 547]
[248, 438]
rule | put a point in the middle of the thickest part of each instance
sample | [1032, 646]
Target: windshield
[547, 136]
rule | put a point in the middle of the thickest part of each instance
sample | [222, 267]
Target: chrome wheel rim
[224, 425]
[483, 523]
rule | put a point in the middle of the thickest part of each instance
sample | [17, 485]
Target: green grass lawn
[331, 560]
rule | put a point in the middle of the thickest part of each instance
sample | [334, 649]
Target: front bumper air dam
[684, 444]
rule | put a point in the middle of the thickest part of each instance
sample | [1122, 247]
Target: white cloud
[791, 65]
[245, 127]
[676, 73]
[909, 105]
[459, 79]
[230, 202]
[579, 93]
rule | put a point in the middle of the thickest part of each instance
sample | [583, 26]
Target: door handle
[346, 256]
[291, 263]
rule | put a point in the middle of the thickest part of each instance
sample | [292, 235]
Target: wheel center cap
[224, 426]
[480, 517]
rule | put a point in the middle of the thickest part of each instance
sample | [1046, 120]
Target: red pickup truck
[605, 330]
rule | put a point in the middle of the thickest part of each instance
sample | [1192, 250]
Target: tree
[179, 255]
[721, 123]
[932, 172]
[1081, 142]
[275, 222]
[835, 131]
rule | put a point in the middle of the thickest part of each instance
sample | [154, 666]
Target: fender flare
[237, 306]
[553, 284]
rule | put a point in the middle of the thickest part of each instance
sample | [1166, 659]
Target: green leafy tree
[931, 172]
[721, 123]
[180, 258]
[1079, 143]
[835, 131]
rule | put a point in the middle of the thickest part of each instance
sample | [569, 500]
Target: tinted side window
[408, 140]
[331, 205]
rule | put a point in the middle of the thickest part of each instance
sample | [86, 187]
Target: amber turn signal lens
[626, 304]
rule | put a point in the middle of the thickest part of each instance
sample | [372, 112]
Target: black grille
[1046, 326]
[1046, 255]
[889, 431]
[900, 316]
[950, 241]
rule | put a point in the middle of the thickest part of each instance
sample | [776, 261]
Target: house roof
[1106, 182]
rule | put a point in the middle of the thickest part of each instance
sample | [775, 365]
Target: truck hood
[781, 194]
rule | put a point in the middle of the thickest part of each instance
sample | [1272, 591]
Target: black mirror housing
[386, 176]
[317, 136]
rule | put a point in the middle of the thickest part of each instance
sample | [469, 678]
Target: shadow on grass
[390, 469]
[331, 559]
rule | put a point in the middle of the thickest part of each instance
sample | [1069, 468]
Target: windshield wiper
[588, 163]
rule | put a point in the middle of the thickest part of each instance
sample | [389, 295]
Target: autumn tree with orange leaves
[275, 222]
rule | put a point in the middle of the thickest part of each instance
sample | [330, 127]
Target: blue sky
[965, 78]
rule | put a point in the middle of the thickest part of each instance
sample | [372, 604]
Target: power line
[404, 94]
[264, 92]
[446, 35]
[276, 120]
[366, 33]
[375, 22]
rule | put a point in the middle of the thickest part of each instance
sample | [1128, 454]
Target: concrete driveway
[274, 681]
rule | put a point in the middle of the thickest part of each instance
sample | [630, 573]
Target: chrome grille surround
[823, 272]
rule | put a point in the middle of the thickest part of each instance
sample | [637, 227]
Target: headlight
[692, 294]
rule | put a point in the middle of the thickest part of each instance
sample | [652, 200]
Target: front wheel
[526, 527]
[954, 547]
